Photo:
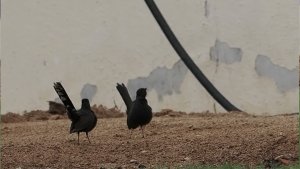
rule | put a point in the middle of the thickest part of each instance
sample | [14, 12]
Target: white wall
[101, 42]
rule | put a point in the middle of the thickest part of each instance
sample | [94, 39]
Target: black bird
[139, 113]
[84, 119]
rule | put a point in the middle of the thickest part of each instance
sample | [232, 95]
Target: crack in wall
[206, 9]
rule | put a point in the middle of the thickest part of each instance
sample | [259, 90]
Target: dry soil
[171, 140]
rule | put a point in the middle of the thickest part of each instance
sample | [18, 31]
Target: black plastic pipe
[187, 59]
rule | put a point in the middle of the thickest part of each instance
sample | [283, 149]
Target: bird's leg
[131, 131]
[78, 137]
[142, 128]
[87, 135]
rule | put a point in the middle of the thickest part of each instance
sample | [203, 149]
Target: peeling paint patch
[284, 78]
[88, 91]
[222, 52]
[206, 9]
[163, 80]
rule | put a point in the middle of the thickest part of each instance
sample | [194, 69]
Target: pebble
[134, 161]
[144, 151]
[187, 158]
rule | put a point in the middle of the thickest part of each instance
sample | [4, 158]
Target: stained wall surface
[248, 49]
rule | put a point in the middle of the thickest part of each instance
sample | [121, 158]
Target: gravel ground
[171, 140]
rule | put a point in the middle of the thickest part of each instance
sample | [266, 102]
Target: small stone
[187, 158]
[144, 151]
[278, 157]
[134, 161]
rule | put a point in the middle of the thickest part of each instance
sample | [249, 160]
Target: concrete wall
[248, 49]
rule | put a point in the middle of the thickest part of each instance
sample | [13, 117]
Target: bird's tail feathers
[71, 111]
[125, 95]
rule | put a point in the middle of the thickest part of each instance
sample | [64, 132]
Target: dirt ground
[171, 140]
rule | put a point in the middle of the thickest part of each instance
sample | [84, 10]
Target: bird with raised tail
[139, 113]
[84, 119]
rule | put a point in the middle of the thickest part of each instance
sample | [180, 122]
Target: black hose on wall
[187, 59]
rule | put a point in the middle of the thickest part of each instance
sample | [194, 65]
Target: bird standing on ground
[139, 113]
[84, 119]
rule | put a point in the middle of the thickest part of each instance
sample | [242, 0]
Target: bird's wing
[71, 111]
[125, 95]
[86, 122]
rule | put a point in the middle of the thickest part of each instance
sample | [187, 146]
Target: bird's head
[141, 92]
[85, 104]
